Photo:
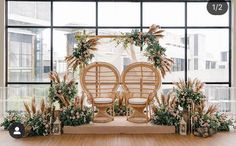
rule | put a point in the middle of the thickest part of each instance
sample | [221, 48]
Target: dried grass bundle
[167, 100]
[155, 30]
[33, 106]
[42, 106]
[26, 105]
[195, 84]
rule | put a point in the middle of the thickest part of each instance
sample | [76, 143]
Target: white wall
[2, 26]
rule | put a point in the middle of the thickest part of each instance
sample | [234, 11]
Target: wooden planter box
[119, 126]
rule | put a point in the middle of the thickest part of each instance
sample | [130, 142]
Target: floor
[220, 139]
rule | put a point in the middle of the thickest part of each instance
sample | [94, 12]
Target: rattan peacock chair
[100, 81]
[140, 81]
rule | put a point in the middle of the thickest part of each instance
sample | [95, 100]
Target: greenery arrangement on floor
[74, 115]
[11, 117]
[166, 113]
[188, 96]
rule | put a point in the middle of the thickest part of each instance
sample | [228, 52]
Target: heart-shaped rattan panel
[141, 79]
[100, 79]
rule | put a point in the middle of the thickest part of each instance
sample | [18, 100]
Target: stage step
[119, 126]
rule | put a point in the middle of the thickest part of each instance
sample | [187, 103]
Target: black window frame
[141, 27]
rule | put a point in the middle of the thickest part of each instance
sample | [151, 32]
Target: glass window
[220, 95]
[29, 36]
[164, 14]
[210, 45]
[15, 95]
[118, 14]
[199, 16]
[74, 13]
[29, 13]
[173, 41]
[32, 53]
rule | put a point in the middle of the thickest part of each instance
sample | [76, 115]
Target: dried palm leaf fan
[82, 53]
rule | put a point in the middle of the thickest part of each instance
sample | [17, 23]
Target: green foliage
[152, 48]
[225, 122]
[166, 116]
[66, 89]
[39, 123]
[82, 49]
[12, 117]
[120, 110]
[187, 95]
[203, 124]
[71, 116]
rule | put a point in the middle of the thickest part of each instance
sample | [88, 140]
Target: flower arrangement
[62, 91]
[119, 109]
[154, 51]
[224, 120]
[205, 123]
[189, 93]
[82, 53]
[75, 116]
[11, 117]
[37, 121]
[166, 113]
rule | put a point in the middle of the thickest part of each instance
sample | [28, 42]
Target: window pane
[28, 54]
[118, 14]
[14, 95]
[164, 14]
[204, 18]
[221, 95]
[74, 13]
[109, 51]
[63, 44]
[29, 13]
[173, 41]
[205, 50]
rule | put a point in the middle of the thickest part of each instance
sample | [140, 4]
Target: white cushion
[102, 100]
[137, 100]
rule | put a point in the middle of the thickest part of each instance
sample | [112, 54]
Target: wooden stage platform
[119, 126]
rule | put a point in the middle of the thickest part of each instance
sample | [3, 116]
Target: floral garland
[154, 51]
[82, 53]
[62, 91]
[189, 92]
